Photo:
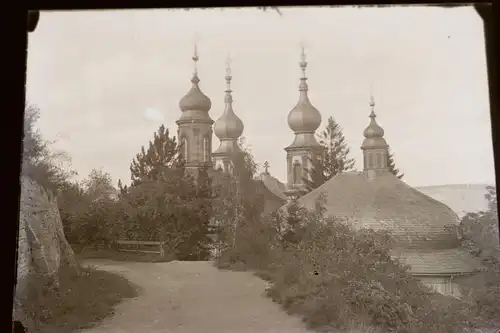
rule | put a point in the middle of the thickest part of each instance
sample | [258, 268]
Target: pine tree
[392, 166]
[335, 158]
[162, 152]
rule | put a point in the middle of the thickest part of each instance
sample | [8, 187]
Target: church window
[379, 160]
[370, 160]
[206, 150]
[185, 148]
[297, 173]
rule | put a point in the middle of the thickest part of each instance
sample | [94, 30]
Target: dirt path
[194, 297]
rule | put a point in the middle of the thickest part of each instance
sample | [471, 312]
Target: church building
[425, 230]
[195, 129]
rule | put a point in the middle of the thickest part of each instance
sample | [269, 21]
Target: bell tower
[304, 119]
[195, 125]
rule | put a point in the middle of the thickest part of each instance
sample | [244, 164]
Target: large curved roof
[383, 202]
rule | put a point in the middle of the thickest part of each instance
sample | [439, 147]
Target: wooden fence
[141, 247]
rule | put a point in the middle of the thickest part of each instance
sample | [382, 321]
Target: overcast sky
[106, 80]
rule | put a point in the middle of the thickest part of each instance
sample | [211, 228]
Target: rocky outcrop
[42, 246]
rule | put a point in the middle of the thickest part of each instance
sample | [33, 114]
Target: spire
[304, 117]
[228, 99]
[303, 66]
[228, 128]
[373, 130]
[195, 100]
[195, 58]
[375, 148]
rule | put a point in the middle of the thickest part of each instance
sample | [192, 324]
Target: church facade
[425, 229]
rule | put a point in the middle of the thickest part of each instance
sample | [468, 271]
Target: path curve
[194, 297]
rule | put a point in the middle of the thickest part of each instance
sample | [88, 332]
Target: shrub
[336, 277]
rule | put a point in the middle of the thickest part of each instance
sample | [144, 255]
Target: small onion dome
[374, 134]
[228, 126]
[195, 99]
[373, 130]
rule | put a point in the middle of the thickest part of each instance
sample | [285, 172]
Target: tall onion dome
[195, 124]
[195, 99]
[228, 128]
[375, 148]
[304, 119]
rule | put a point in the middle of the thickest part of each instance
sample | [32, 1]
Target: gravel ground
[194, 297]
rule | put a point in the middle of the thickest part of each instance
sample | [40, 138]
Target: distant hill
[461, 198]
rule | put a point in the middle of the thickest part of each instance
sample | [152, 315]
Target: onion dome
[228, 126]
[374, 134]
[304, 117]
[195, 99]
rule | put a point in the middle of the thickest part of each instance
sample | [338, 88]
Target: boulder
[42, 246]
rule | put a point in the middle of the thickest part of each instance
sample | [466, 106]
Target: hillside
[462, 198]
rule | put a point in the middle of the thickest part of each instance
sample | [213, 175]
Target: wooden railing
[141, 247]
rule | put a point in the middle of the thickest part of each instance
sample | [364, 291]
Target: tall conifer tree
[335, 158]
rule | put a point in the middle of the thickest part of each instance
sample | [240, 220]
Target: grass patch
[82, 299]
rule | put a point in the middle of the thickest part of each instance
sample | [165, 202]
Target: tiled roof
[385, 202]
[273, 185]
[448, 261]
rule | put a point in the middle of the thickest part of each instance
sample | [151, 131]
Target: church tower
[375, 148]
[228, 128]
[304, 119]
[195, 125]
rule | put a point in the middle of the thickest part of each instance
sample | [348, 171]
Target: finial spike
[195, 59]
[228, 65]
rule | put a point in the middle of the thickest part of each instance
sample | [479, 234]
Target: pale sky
[106, 80]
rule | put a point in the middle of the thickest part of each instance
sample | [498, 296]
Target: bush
[81, 300]
[339, 278]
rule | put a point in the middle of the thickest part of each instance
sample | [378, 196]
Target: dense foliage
[336, 277]
[479, 233]
[48, 167]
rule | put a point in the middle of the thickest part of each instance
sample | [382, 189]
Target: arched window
[379, 160]
[184, 148]
[370, 160]
[206, 150]
[297, 173]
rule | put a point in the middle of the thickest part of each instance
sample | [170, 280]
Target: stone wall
[42, 246]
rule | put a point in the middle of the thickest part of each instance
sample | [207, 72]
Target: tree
[168, 209]
[392, 166]
[89, 213]
[162, 152]
[479, 235]
[46, 167]
[99, 185]
[334, 159]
